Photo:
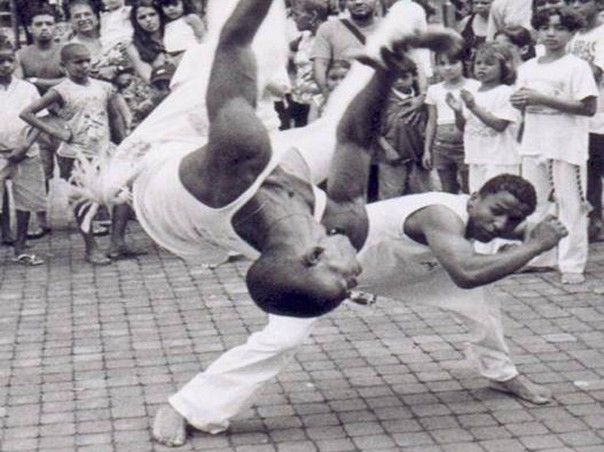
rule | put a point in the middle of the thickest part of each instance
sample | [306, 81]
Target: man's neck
[6, 81]
[43, 45]
[364, 22]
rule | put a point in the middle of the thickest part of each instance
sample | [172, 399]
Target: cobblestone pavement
[88, 354]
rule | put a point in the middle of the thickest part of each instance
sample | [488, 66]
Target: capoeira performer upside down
[257, 201]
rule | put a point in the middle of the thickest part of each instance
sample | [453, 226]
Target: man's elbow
[467, 280]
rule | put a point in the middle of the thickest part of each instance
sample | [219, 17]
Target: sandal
[29, 260]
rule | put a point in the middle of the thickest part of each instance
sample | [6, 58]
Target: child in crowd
[19, 155]
[487, 117]
[588, 44]
[557, 93]
[335, 74]
[184, 27]
[443, 149]
[89, 109]
[520, 41]
[401, 144]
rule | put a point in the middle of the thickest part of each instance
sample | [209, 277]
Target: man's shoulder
[330, 27]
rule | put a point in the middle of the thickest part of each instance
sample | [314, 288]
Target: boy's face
[587, 8]
[553, 35]
[335, 77]
[77, 64]
[448, 69]
[7, 63]
[42, 28]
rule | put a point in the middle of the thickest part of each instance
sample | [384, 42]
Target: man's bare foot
[169, 427]
[523, 388]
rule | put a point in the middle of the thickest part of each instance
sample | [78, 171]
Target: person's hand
[468, 98]
[548, 232]
[524, 97]
[453, 102]
[427, 160]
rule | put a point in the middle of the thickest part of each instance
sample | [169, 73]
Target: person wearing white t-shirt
[588, 44]
[488, 118]
[557, 93]
[443, 149]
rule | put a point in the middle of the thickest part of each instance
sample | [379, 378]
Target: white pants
[571, 253]
[230, 384]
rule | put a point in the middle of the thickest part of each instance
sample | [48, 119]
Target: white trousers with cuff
[230, 385]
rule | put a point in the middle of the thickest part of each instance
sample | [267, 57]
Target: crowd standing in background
[522, 98]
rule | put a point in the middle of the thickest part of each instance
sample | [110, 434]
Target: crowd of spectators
[521, 98]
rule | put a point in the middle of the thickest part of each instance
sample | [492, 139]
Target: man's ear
[313, 257]
[473, 198]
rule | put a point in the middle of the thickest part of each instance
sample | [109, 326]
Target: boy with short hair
[19, 155]
[90, 115]
[557, 93]
[588, 44]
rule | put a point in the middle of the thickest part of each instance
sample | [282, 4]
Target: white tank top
[182, 224]
[390, 258]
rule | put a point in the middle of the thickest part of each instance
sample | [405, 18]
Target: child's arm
[118, 118]
[28, 115]
[485, 116]
[526, 96]
[430, 133]
[455, 104]
[195, 22]
[20, 153]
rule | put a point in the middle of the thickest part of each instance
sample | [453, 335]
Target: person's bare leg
[119, 222]
[520, 386]
[169, 427]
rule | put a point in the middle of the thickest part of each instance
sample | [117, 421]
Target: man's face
[361, 9]
[494, 215]
[7, 63]
[42, 28]
[83, 19]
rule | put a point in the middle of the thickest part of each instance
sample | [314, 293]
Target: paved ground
[87, 354]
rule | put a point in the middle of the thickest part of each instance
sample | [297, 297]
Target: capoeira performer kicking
[427, 239]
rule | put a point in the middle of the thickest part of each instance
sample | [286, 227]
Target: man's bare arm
[444, 232]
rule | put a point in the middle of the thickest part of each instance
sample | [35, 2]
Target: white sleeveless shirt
[183, 225]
